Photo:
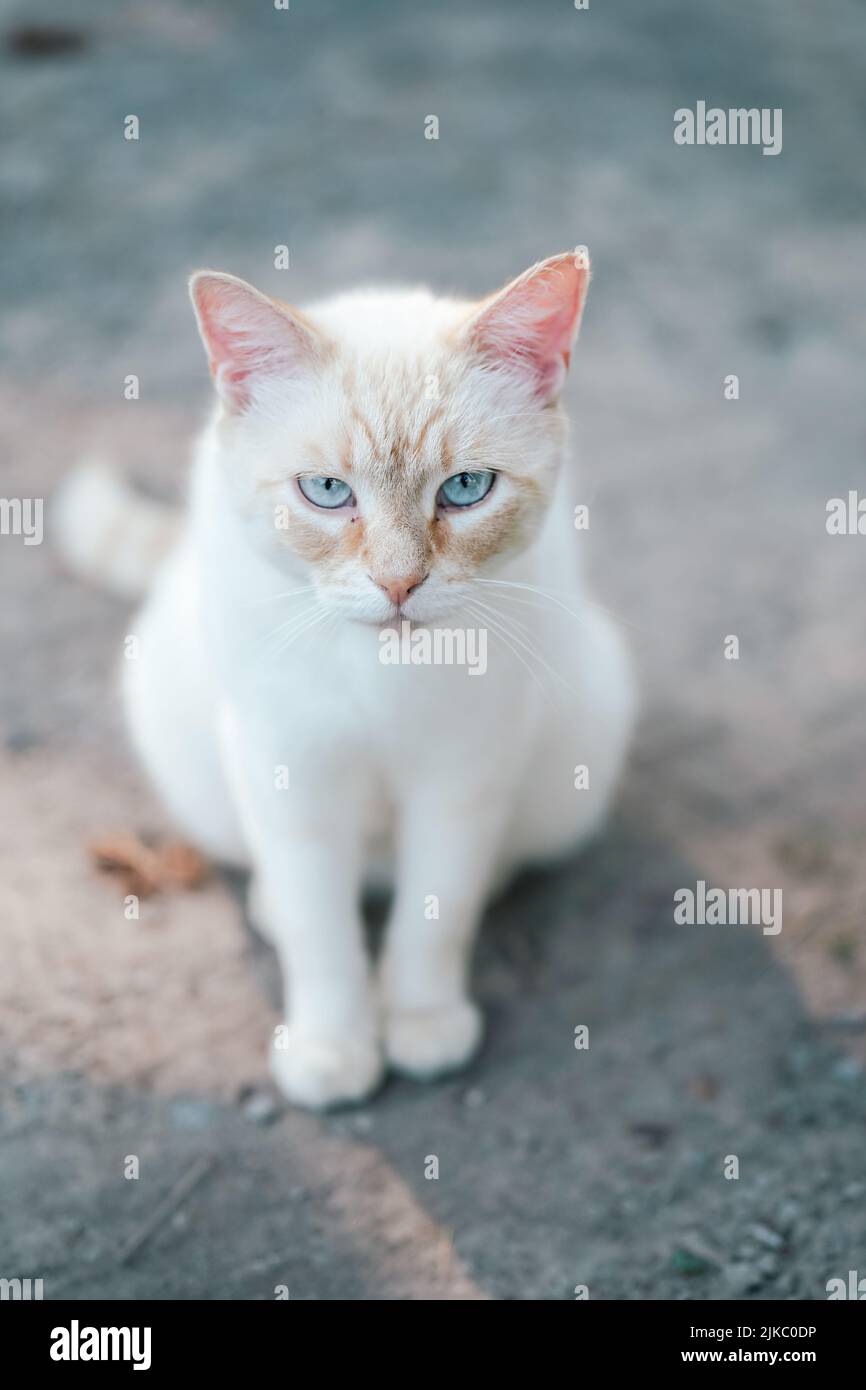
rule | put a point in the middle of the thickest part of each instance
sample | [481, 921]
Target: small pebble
[743, 1278]
[690, 1262]
[259, 1108]
[765, 1235]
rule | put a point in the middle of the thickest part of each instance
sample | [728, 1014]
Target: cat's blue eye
[326, 492]
[465, 488]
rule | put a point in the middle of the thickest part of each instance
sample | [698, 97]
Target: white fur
[445, 781]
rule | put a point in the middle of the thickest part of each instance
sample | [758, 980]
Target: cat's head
[391, 447]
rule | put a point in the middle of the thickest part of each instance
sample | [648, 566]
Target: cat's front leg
[306, 852]
[448, 850]
[328, 1051]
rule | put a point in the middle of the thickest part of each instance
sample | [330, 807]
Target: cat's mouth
[394, 619]
[436, 608]
[381, 621]
[398, 617]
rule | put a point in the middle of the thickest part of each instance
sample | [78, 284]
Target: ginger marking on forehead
[367, 429]
[393, 448]
[431, 419]
[447, 456]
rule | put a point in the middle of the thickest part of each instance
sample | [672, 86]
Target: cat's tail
[109, 533]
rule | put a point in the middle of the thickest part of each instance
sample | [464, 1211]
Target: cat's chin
[412, 620]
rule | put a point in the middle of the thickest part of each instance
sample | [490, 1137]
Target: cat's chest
[426, 697]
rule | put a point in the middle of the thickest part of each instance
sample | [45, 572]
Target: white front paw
[318, 1072]
[425, 1043]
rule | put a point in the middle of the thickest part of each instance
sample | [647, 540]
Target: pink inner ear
[247, 336]
[533, 322]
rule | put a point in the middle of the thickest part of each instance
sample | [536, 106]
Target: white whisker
[506, 640]
[312, 621]
[551, 595]
[289, 629]
[530, 648]
[535, 589]
[289, 593]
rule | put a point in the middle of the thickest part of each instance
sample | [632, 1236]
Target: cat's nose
[398, 590]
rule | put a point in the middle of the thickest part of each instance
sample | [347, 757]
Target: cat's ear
[250, 338]
[530, 325]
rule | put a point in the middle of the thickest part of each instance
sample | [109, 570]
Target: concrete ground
[557, 1167]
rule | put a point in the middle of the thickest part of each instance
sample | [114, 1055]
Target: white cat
[381, 457]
